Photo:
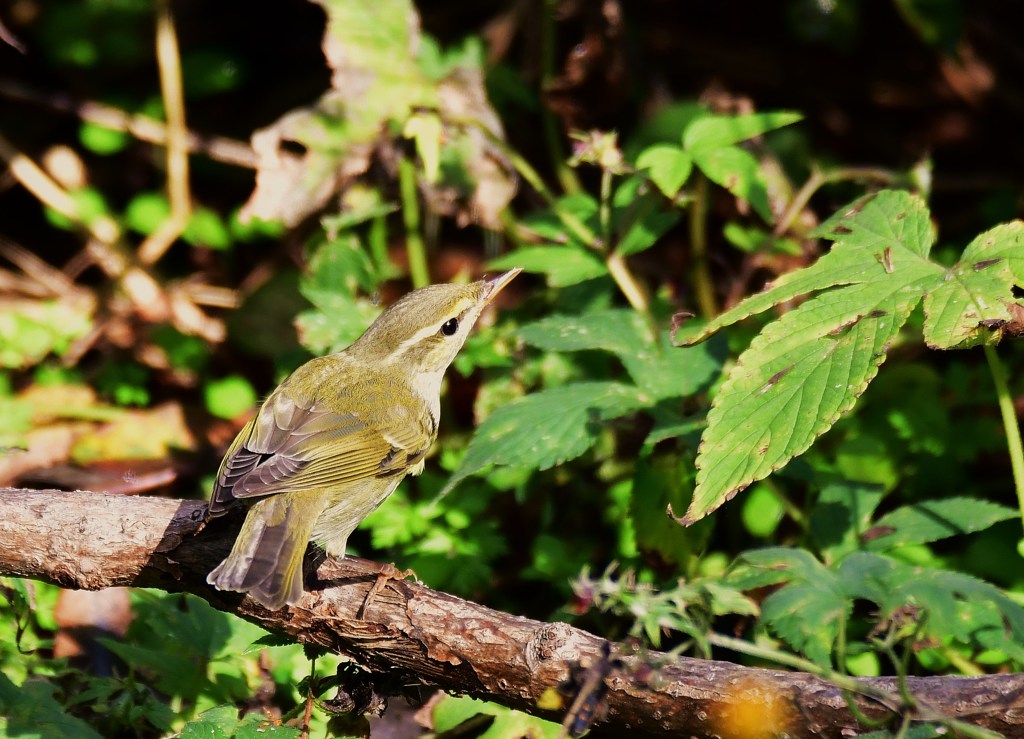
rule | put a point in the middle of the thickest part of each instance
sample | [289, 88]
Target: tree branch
[418, 635]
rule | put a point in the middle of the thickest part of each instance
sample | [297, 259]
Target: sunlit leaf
[547, 428]
[717, 131]
[932, 520]
[668, 167]
[562, 265]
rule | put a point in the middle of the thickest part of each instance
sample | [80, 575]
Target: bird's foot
[387, 572]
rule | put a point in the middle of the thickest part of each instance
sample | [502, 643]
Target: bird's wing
[290, 448]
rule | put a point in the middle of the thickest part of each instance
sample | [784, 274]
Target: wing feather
[289, 447]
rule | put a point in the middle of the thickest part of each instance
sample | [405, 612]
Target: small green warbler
[337, 436]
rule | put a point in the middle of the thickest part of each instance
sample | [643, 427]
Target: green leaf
[229, 397]
[842, 513]
[717, 131]
[658, 483]
[451, 711]
[942, 594]
[102, 140]
[207, 228]
[1005, 242]
[31, 711]
[339, 265]
[426, 130]
[797, 378]
[761, 511]
[644, 233]
[660, 371]
[562, 265]
[547, 428]
[89, 204]
[29, 331]
[808, 368]
[146, 211]
[932, 520]
[974, 297]
[615, 330]
[668, 167]
[738, 171]
[808, 610]
[215, 723]
[892, 220]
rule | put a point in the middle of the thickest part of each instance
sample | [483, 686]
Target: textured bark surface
[413, 635]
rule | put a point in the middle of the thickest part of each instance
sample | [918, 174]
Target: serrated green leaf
[893, 219]
[941, 594]
[31, 710]
[808, 610]
[738, 171]
[974, 297]
[841, 514]
[668, 167]
[562, 265]
[956, 310]
[882, 238]
[716, 131]
[661, 371]
[792, 384]
[758, 568]
[548, 225]
[615, 330]
[728, 600]
[544, 429]
[658, 483]
[644, 233]
[215, 723]
[932, 520]
[1005, 242]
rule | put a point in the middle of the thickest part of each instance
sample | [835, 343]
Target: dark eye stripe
[450, 327]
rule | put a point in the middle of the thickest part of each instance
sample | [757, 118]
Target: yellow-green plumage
[335, 439]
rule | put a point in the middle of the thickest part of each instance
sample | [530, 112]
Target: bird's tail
[266, 560]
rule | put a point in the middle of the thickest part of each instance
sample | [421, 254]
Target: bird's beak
[495, 285]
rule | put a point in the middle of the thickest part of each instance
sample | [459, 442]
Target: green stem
[378, 238]
[703, 287]
[633, 290]
[817, 180]
[604, 213]
[577, 227]
[411, 216]
[1010, 424]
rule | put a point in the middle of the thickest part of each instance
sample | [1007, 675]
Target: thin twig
[169, 60]
[150, 130]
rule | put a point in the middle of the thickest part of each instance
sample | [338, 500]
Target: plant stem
[172, 92]
[411, 217]
[604, 214]
[702, 285]
[819, 179]
[1013, 440]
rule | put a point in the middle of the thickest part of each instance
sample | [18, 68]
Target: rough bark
[416, 635]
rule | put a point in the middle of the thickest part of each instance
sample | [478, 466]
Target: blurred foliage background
[197, 197]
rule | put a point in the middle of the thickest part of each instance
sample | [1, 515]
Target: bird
[336, 437]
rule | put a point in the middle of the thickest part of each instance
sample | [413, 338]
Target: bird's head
[426, 328]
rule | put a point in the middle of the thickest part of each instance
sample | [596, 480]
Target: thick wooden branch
[418, 635]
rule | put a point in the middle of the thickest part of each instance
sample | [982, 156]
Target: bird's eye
[449, 327]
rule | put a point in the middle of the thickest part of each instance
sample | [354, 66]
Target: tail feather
[266, 560]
